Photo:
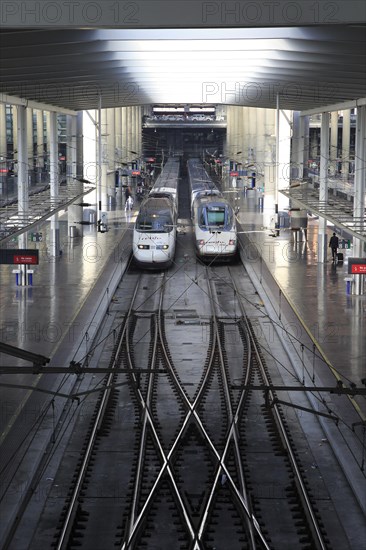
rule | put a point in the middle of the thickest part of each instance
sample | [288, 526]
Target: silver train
[155, 230]
[213, 217]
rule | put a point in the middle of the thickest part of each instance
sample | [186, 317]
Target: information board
[19, 256]
[357, 266]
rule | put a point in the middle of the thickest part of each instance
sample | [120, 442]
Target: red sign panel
[234, 173]
[135, 172]
[25, 259]
[358, 268]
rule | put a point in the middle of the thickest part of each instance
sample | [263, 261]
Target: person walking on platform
[333, 244]
[128, 193]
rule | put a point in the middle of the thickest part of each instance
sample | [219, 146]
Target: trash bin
[72, 231]
[349, 282]
[30, 277]
[284, 219]
[17, 276]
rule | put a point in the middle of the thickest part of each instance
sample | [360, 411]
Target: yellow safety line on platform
[324, 356]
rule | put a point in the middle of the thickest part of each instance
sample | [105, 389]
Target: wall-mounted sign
[357, 266]
[19, 256]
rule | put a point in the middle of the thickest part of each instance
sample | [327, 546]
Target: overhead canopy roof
[310, 66]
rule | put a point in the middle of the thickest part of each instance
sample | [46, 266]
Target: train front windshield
[215, 217]
[159, 222]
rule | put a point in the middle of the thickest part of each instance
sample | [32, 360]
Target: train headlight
[232, 242]
[162, 247]
[143, 246]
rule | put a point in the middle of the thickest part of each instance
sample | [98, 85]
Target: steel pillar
[323, 190]
[359, 185]
[23, 197]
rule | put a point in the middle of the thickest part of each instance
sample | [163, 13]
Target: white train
[155, 230]
[213, 217]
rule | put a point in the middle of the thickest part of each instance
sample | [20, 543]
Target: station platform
[57, 315]
[321, 325]
[319, 293]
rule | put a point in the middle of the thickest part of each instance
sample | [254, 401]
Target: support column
[22, 161]
[30, 144]
[333, 143]
[346, 139]
[3, 149]
[104, 160]
[237, 136]
[139, 129]
[240, 157]
[118, 131]
[228, 131]
[23, 197]
[53, 156]
[118, 134]
[297, 157]
[252, 121]
[130, 127]
[305, 125]
[260, 147]
[54, 247]
[111, 155]
[270, 155]
[130, 130]
[74, 211]
[136, 130]
[313, 145]
[124, 125]
[323, 189]
[40, 145]
[244, 125]
[246, 134]
[71, 146]
[360, 188]
[14, 114]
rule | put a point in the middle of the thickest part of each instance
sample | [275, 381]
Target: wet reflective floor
[319, 292]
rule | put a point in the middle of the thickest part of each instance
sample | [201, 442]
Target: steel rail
[301, 485]
[233, 432]
[221, 465]
[166, 465]
[144, 428]
[101, 409]
[166, 458]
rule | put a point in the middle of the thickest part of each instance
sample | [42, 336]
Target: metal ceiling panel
[309, 67]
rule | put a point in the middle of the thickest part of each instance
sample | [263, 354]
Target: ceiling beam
[335, 107]
[14, 100]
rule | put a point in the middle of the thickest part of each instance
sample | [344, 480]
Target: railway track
[172, 449]
[263, 446]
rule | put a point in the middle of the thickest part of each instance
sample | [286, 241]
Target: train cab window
[216, 217]
[154, 223]
[212, 217]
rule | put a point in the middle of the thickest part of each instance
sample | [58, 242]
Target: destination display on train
[19, 256]
[357, 266]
